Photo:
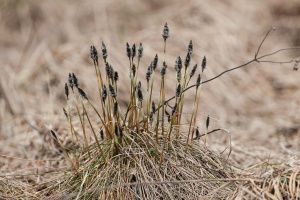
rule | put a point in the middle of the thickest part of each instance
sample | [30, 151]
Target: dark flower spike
[203, 65]
[116, 130]
[178, 64]
[75, 80]
[111, 72]
[193, 71]
[154, 62]
[101, 134]
[128, 50]
[94, 54]
[133, 51]
[149, 72]
[82, 93]
[71, 81]
[140, 95]
[207, 122]
[190, 47]
[187, 60]
[120, 131]
[168, 115]
[116, 76]
[163, 69]
[169, 118]
[115, 108]
[153, 107]
[104, 94]
[151, 116]
[139, 85]
[133, 70]
[65, 112]
[174, 109]
[67, 90]
[104, 51]
[53, 134]
[178, 91]
[197, 133]
[166, 31]
[198, 82]
[107, 69]
[140, 51]
[112, 91]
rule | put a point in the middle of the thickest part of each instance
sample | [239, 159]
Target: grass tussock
[139, 152]
[135, 174]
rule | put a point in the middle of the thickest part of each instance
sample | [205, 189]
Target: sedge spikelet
[178, 64]
[104, 51]
[203, 65]
[75, 80]
[112, 91]
[190, 47]
[128, 50]
[67, 90]
[71, 81]
[140, 51]
[163, 69]
[116, 76]
[174, 109]
[193, 71]
[187, 60]
[140, 94]
[82, 93]
[207, 121]
[133, 51]
[166, 33]
[198, 82]
[94, 54]
[154, 62]
[115, 108]
[104, 94]
[153, 107]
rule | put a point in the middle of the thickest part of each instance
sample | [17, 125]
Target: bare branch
[255, 57]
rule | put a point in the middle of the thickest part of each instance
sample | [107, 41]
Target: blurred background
[42, 41]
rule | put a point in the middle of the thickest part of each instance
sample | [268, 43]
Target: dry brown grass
[42, 42]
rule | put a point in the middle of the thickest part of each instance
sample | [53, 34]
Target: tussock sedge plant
[140, 152]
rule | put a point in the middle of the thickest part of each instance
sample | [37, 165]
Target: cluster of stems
[152, 122]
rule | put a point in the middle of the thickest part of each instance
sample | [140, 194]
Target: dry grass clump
[134, 173]
[141, 152]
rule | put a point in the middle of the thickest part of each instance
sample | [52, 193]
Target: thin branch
[255, 59]
[284, 49]
[277, 62]
[271, 29]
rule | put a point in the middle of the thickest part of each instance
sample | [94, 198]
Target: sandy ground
[41, 42]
